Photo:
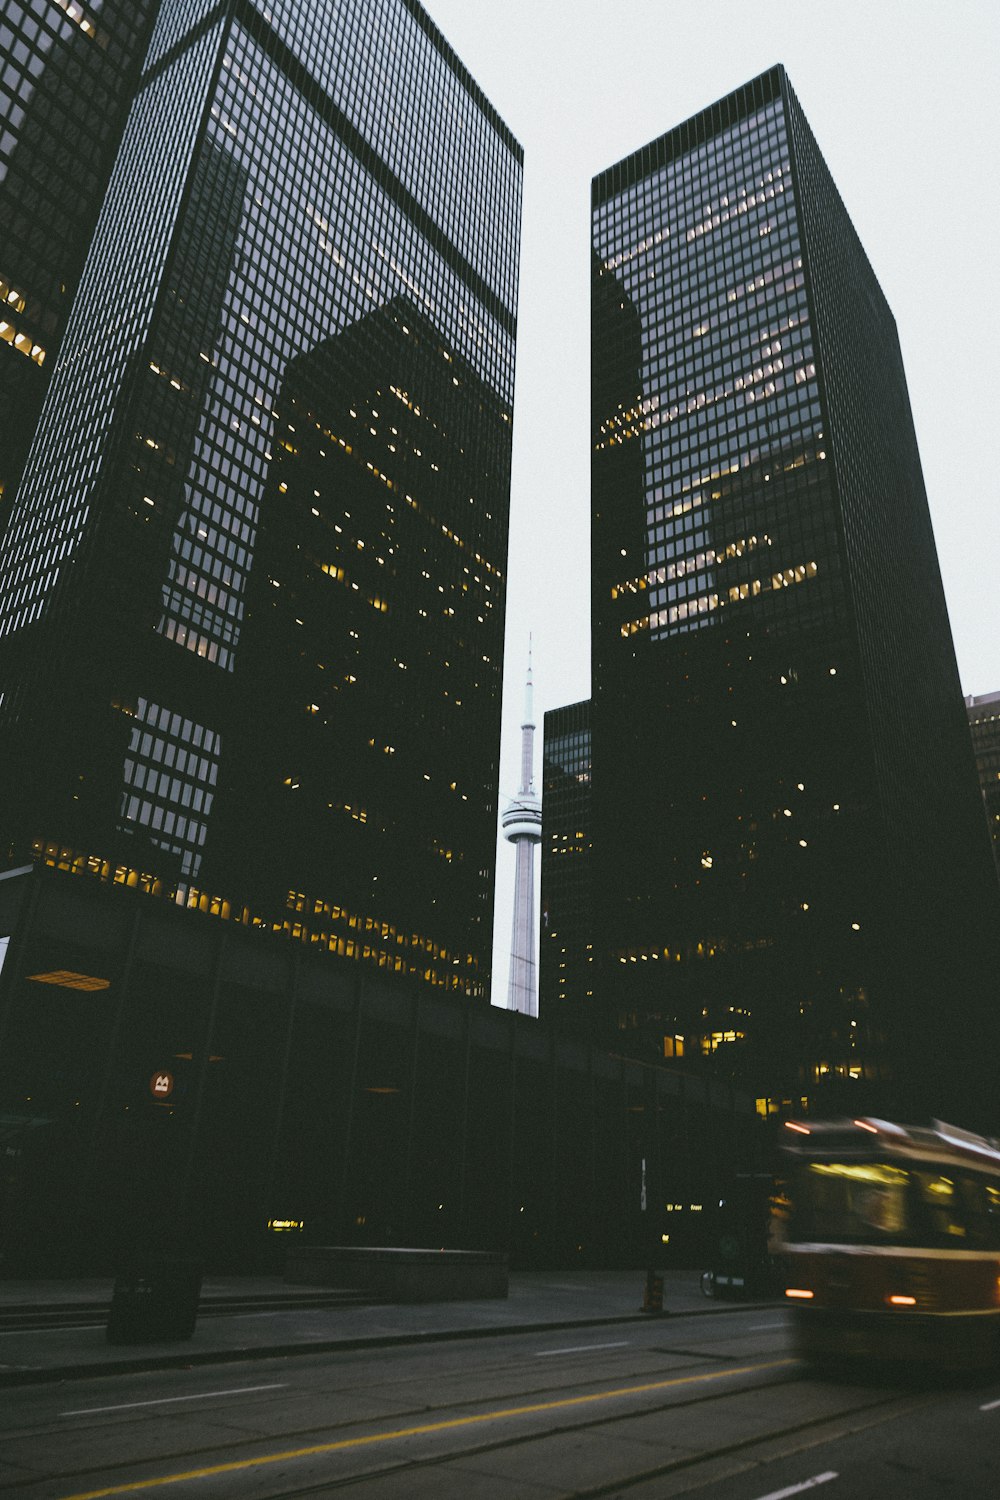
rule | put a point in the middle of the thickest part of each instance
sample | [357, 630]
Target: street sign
[161, 1085]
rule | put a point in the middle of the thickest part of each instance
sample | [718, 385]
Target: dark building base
[172, 1084]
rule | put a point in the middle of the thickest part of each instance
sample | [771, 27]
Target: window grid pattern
[67, 73]
[283, 239]
[707, 253]
[170, 765]
[103, 339]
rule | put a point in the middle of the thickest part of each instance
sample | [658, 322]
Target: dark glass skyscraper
[252, 591]
[68, 70]
[790, 873]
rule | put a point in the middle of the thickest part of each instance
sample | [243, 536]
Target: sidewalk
[538, 1300]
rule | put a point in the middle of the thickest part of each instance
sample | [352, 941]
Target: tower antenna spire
[522, 826]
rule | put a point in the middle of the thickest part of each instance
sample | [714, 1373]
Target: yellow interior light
[71, 981]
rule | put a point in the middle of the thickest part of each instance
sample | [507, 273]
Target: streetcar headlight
[799, 1292]
[897, 1299]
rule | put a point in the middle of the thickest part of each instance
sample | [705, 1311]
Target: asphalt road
[680, 1406]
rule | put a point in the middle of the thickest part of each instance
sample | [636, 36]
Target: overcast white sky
[902, 97]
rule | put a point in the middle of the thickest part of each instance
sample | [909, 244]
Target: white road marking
[582, 1349]
[760, 1327]
[244, 1390]
[278, 1313]
[9, 1333]
[798, 1489]
[990, 1406]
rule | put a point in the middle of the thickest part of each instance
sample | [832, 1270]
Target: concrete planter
[401, 1275]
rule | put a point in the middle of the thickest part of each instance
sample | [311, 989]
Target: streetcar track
[696, 1354]
[612, 1487]
[815, 1441]
[382, 1389]
[121, 1467]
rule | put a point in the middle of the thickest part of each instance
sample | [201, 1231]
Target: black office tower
[252, 591]
[791, 876]
[68, 70]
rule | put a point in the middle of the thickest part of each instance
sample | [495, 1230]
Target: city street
[684, 1404]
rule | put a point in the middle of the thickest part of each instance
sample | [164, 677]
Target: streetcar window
[992, 1217]
[941, 1205]
[869, 1203]
[982, 1208]
[860, 1203]
[960, 1209]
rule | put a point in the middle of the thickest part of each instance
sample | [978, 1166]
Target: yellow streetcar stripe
[405, 1432]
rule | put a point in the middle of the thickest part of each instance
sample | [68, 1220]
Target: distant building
[791, 883]
[984, 721]
[566, 972]
[67, 75]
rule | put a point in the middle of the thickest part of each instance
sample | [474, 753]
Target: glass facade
[566, 950]
[727, 398]
[263, 528]
[776, 735]
[68, 70]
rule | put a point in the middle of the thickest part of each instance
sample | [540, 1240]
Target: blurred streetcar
[893, 1243]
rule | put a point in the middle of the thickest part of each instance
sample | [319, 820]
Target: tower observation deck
[522, 826]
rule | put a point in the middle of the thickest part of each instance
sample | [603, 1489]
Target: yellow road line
[405, 1432]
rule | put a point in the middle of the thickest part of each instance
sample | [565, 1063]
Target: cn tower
[522, 825]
